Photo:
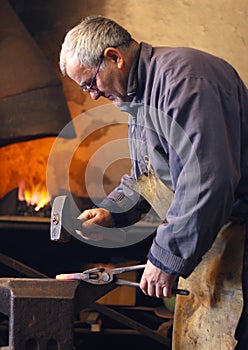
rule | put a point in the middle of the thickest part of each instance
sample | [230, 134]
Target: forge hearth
[25, 209]
[10, 205]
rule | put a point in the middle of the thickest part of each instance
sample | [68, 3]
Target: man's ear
[113, 54]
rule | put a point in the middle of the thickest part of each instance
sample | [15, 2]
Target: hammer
[62, 223]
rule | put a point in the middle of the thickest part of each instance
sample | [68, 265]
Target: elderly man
[188, 127]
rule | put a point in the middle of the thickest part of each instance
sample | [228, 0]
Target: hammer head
[60, 220]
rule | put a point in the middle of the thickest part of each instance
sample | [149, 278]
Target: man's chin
[118, 103]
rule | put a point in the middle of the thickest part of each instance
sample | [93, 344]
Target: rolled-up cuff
[158, 264]
[170, 261]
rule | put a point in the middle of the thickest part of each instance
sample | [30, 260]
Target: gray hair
[90, 38]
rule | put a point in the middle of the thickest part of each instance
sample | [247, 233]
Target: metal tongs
[103, 275]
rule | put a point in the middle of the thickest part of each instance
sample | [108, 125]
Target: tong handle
[123, 269]
[121, 282]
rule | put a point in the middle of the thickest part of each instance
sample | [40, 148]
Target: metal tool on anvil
[104, 275]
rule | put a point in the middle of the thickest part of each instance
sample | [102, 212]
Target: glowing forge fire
[34, 195]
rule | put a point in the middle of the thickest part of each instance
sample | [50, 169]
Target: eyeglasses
[91, 87]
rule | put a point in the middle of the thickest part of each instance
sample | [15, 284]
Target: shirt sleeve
[125, 205]
[201, 124]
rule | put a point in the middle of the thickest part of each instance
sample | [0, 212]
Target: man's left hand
[155, 282]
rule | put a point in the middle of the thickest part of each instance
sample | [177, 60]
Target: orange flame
[35, 195]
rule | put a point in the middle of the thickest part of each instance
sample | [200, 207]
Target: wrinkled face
[111, 82]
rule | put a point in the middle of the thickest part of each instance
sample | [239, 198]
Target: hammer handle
[77, 224]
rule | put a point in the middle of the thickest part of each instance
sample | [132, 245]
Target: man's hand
[94, 220]
[155, 282]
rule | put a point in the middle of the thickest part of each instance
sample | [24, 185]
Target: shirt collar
[138, 72]
[137, 78]
[133, 75]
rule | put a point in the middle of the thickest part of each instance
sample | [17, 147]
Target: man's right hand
[94, 219]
